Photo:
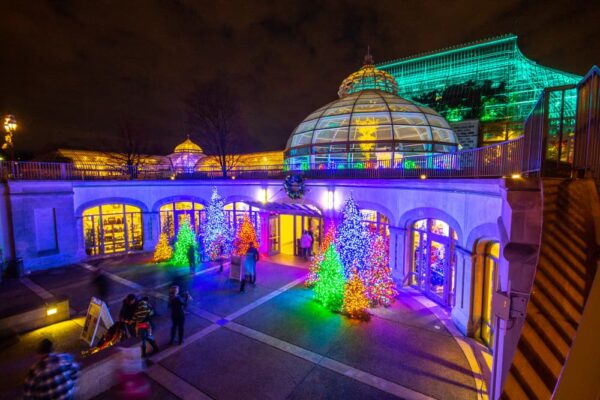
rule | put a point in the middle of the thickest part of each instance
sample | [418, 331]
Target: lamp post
[10, 126]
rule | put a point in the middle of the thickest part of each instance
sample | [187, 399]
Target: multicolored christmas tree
[377, 277]
[185, 239]
[352, 239]
[315, 265]
[163, 251]
[246, 234]
[217, 235]
[329, 288]
[355, 297]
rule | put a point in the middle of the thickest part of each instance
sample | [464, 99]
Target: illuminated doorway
[291, 228]
[173, 214]
[433, 260]
[490, 271]
[112, 228]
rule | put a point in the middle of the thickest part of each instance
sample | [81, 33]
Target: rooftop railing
[503, 159]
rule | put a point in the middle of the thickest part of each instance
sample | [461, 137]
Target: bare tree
[214, 117]
[131, 149]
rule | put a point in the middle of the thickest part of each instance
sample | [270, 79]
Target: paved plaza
[272, 342]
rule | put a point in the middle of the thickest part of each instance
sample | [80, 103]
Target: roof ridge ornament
[368, 60]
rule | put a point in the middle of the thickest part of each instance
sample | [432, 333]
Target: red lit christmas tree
[377, 277]
[246, 234]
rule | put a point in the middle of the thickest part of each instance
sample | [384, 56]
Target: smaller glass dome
[187, 147]
[368, 78]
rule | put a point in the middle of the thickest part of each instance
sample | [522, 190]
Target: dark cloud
[71, 71]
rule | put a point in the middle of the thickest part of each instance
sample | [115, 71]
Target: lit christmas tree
[329, 288]
[245, 235]
[163, 251]
[377, 277]
[217, 234]
[352, 239]
[185, 239]
[313, 273]
[355, 297]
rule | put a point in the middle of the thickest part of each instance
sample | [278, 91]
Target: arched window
[112, 228]
[234, 213]
[174, 213]
[433, 259]
[376, 221]
[490, 271]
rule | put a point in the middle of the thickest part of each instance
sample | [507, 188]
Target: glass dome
[368, 128]
[186, 155]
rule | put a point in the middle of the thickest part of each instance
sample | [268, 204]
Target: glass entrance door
[274, 243]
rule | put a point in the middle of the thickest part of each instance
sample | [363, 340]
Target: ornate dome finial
[368, 60]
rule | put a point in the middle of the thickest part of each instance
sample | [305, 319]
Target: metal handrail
[497, 160]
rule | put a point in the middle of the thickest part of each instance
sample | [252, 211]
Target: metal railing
[502, 159]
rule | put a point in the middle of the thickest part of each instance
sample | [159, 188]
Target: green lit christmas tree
[217, 235]
[185, 239]
[329, 288]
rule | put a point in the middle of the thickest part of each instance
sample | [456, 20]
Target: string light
[185, 239]
[163, 251]
[217, 233]
[315, 265]
[329, 288]
[352, 240]
[355, 297]
[377, 277]
[246, 234]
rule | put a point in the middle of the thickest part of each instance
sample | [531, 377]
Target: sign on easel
[97, 312]
[236, 269]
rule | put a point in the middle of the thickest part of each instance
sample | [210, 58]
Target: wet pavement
[274, 341]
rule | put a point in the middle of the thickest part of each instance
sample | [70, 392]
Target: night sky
[72, 71]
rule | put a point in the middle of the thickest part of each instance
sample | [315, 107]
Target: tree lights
[351, 271]
[353, 238]
[163, 251]
[185, 239]
[329, 288]
[217, 238]
[246, 234]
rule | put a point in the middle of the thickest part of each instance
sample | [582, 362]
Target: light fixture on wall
[51, 311]
[263, 195]
[330, 201]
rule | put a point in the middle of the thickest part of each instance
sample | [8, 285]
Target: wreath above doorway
[294, 186]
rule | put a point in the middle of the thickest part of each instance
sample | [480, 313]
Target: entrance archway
[433, 259]
[173, 214]
[112, 228]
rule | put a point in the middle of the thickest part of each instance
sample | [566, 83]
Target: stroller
[112, 336]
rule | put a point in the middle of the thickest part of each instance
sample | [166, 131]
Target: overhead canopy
[285, 208]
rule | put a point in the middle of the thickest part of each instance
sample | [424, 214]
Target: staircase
[562, 281]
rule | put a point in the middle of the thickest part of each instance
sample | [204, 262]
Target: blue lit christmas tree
[353, 239]
[217, 234]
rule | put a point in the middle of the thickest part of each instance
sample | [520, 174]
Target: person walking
[191, 255]
[251, 258]
[127, 312]
[177, 304]
[142, 316]
[53, 376]
[305, 243]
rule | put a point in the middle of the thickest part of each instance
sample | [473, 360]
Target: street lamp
[10, 126]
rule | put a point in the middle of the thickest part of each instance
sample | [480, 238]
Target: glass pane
[333, 122]
[371, 107]
[420, 133]
[442, 135]
[437, 121]
[402, 107]
[112, 208]
[306, 126]
[339, 109]
[198, 206]
[371, 119]
[437, 268]
[421, 225]
[331, 135]
[408, 119]
[440, 227]
[167, 207]
[92, 211]
[301, 139]
[370, 132]
[129, 208]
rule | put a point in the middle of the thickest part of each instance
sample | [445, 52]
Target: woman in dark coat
[177, 304]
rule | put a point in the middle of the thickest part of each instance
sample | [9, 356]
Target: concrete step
[526, 375]
[565, 326]
[513, 389]
[554, 309]
[558, 255]
[573, 233]
[575, 294]
[539, 354]
[570, 246]
[556, 340]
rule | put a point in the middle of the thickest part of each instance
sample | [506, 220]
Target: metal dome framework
[366, 78]
[366, 128]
